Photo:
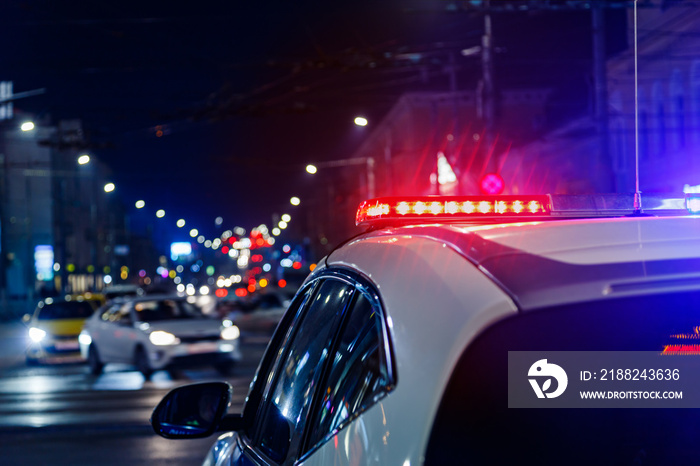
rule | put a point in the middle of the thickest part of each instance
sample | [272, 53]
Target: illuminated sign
[43, 262]
[180, 249]
[121, 250]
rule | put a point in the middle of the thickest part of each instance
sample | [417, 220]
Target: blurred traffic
[151, 332]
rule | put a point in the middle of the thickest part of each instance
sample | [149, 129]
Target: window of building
[695, 100]
[618, 136]
[659, 130]
[643, 126]
[677, 110]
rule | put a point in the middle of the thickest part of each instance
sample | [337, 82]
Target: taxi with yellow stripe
[54, 326]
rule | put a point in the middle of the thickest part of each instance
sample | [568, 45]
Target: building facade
[60, 231]
[653, 128]
[668, 115]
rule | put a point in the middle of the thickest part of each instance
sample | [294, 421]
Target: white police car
[156, 332]
[399, 348]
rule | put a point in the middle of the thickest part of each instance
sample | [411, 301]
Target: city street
[62, 415]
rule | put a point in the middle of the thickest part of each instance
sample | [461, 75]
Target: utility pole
[488, 87]
[601, 98]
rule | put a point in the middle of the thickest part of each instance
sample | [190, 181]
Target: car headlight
[230, 333]
[161, 338]
[84, 338]
[36, 334]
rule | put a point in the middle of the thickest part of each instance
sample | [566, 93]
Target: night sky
[246, 94]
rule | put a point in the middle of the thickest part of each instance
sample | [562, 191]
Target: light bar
[451, 208]
[693, 203]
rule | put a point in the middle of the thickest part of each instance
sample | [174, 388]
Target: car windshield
[170, 309]
[474, 417]
[66, 310]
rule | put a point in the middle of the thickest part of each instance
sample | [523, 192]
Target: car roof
[442, 285]
[156, 297]
[556, 262]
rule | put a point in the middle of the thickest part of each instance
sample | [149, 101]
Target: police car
[424, 340]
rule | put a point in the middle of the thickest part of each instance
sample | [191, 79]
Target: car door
[115, 334]
[100, 327]
[324, 366]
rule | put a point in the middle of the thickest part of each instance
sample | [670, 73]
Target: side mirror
[195, 411]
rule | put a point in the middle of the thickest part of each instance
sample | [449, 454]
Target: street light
[27, 126]
[295, 201]
[109, 187]
[311, 169]
[361, 121]
[83, 159]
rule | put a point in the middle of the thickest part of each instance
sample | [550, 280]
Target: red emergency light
[451, 208]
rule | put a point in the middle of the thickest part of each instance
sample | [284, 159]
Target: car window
[474, 422]
[298, 371]
[359, 374]
[109, 310]
[157, 310]
[66, 310]
[272, 354]
[117, 313]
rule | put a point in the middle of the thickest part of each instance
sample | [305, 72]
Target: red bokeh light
[492, 183]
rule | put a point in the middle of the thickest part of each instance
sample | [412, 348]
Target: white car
[444, 335]
[158, 332]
